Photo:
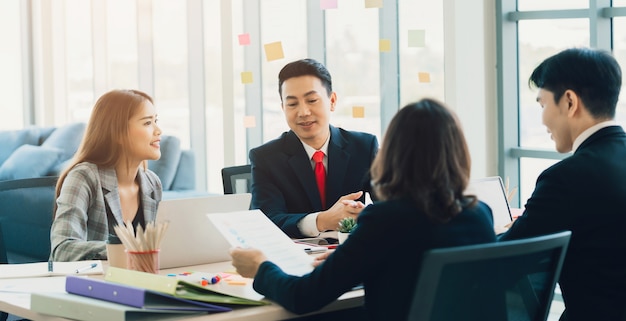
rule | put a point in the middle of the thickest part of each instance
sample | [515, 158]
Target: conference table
[19, 303]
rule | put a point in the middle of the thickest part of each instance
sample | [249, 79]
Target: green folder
[184, 289]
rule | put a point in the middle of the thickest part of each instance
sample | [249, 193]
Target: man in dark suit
[284, 183]
[586, 192]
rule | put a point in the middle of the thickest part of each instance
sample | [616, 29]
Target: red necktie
[320, 175]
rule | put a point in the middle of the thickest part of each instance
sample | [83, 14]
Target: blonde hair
[107, 134]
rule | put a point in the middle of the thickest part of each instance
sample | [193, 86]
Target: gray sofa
[31, 160]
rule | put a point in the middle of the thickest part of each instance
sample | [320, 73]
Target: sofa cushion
[10, 140]
[29, 161]
[166, 166]
[185, 178]
[66, 138]
[59, 167]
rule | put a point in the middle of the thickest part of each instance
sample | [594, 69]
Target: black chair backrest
[25, 218]
[512, 280]
[3, 249]
[232, 175]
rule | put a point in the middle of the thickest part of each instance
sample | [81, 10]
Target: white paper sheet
[254, 229]
[39, 269]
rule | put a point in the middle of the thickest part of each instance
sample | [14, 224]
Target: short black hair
[305, 67]
[592, 74]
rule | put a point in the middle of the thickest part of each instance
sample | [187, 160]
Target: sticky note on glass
[244, 39]
[423, 77]
[358, 112]
[373, 3]
[328, 4]
[249, 121]
[384, 45]
[246, 77]
[274, 51]
[417, 38]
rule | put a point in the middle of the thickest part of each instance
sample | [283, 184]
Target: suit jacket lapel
[108, 180]
[300, 164]
[149, 204]
[338, 161]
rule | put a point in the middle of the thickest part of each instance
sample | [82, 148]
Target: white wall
[470, 77]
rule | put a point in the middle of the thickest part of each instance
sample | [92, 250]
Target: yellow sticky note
[249, 121]
[274, 51]
[358, 112]
[423, 76]
[373, 3]
[384, 45]
[417, 38]
[246, 77]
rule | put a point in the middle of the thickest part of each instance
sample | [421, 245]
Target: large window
[11, 105]
[540, 29]
[209, 59]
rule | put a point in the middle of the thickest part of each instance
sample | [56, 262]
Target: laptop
[491, 191]
[190, 238]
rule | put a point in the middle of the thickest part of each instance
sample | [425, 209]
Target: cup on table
[116, 254]
[144, 261]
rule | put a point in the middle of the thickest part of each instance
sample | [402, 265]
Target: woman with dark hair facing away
[108, 182]
[419, 175]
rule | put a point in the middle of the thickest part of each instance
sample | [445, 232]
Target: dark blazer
[384, 253]
[586, 194]
[283, 182]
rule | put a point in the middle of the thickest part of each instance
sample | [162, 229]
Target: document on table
[253, 229]
[39, 269]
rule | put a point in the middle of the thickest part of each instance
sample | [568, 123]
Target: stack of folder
[133, 295]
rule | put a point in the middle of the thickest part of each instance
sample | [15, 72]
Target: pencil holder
[144, 261]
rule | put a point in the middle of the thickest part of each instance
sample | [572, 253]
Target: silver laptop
[491, 191]
[190, 238]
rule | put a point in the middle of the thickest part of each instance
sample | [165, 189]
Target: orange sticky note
[328, 4]
[423, 76]
[246, 77]
[244, 39]
[417, 38]
[274, 51]
[358, 112]
[384, 45]
[249, 121]
[373, 3]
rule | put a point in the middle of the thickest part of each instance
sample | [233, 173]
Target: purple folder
[134, 296]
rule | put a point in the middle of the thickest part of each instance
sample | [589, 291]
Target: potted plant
[346, 226]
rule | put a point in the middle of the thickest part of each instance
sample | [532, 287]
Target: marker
[86, 268]
[50, 266]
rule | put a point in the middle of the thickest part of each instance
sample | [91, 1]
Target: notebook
[491, 191]
[190, 239]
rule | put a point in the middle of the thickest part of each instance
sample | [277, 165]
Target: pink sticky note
[249, 121]
[328, 4]
[244, 39]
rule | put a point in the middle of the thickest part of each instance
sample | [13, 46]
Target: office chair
[26, 218]
[512, 280]
[237, 179]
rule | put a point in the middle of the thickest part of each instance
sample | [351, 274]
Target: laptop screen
[491, 191]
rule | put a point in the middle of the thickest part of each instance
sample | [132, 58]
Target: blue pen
[85, 268]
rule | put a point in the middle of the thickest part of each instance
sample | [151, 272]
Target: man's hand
[346, 206]
[322, 257]
[247, 261]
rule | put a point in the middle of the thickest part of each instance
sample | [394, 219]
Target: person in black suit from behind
[585, 192]
[283, 185]
[420, 175]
